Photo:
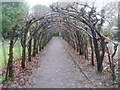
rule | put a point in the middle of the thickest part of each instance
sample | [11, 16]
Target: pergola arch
[78, 33]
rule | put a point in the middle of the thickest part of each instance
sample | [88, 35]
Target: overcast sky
[99, 3]
[43, 2]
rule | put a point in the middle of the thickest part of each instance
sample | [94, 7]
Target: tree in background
[0, 20]
[11, 13]
[111, 17]
[118, 33]
[39, 10]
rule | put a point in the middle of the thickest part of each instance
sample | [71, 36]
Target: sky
[99, 3]
[43, 2]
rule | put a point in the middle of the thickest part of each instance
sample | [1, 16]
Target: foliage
[0, 20]
[117, 35]
[111, 14]
[55, 34]
[110, 33]
[2, 78]
[12, 12]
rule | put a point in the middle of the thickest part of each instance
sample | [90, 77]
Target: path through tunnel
[58, 70]
[80, 25]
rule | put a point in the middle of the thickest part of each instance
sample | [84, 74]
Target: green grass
[16, 53]
[2, 78]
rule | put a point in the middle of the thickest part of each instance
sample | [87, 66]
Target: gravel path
[58, 69]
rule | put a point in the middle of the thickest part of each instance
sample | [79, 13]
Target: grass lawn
[16, 53]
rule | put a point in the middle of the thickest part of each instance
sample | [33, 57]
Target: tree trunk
[40, 42]
[92, 53]
[97, 52]
[81, 46]
[24, 50]
[34, 48]
[9, 72]
[86, 49]
[29, 51]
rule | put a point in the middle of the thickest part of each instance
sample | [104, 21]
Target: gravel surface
[58, 69]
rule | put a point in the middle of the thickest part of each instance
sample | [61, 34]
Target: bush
[117, 35]
[110, 33]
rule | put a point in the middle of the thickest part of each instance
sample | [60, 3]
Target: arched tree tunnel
[79, 24]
